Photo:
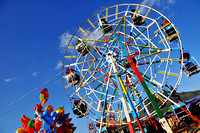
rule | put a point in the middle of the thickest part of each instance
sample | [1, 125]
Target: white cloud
[10, 79]
[151, 2]
[158, 3]
[66, 37]
[7, 80]
[171, 1]
[35, 73]
[64, 40]
[59, 65]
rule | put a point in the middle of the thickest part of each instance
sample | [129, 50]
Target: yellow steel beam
[91, 23]
[146, 15]
[168, 38]
[172, 74]
[83, 31]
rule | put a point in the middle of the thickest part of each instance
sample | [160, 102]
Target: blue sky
[33, 36]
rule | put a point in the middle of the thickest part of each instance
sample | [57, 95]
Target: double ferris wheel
[119, 64]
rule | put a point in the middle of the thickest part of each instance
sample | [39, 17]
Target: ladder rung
[91, 23]
[70, 56]
[146, 15]
[83, 31]
[136, 11]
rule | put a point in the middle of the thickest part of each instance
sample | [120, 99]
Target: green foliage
[189, 95]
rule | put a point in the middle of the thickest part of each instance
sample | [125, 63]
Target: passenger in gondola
[138, 19]
[82, 48]
[188, 62]
[106, 27]
[72, 77]
[80, 109]
[169, 31]
[190, 66]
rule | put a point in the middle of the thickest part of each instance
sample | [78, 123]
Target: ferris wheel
[121, 61]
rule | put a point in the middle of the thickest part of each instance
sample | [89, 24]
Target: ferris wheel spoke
[116, 28]
[130, 83]
[156, 83]
[93, 40]
[156, 95]
[95, 71]
[122, 21]
[136, 35]
[123, 90]
[87, 49]
[77, 63]
[143, 46]
[105, 99]
[145, 63]
[129, 71]
[86, 74]
[148, 55]
[102, 91]
[89, 107]
[111, 101]
[101, 25]
[92, 81]
[159, 50]
[83, 31]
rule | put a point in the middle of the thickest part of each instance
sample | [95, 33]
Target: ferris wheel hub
[111, 56]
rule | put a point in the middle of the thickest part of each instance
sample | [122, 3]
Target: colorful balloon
[38, 124]
[63, 128]
[38, 110]
[25, 120]
[60, 113]
[44, 95]
[50, 108]
[31, 126]
[48, 121]
[66, 127]
[21, 130]
[63, 119]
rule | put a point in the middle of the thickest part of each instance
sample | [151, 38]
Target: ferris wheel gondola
[190, 65]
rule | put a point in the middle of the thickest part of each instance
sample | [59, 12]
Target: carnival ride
[120, 68]
[123, 57]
